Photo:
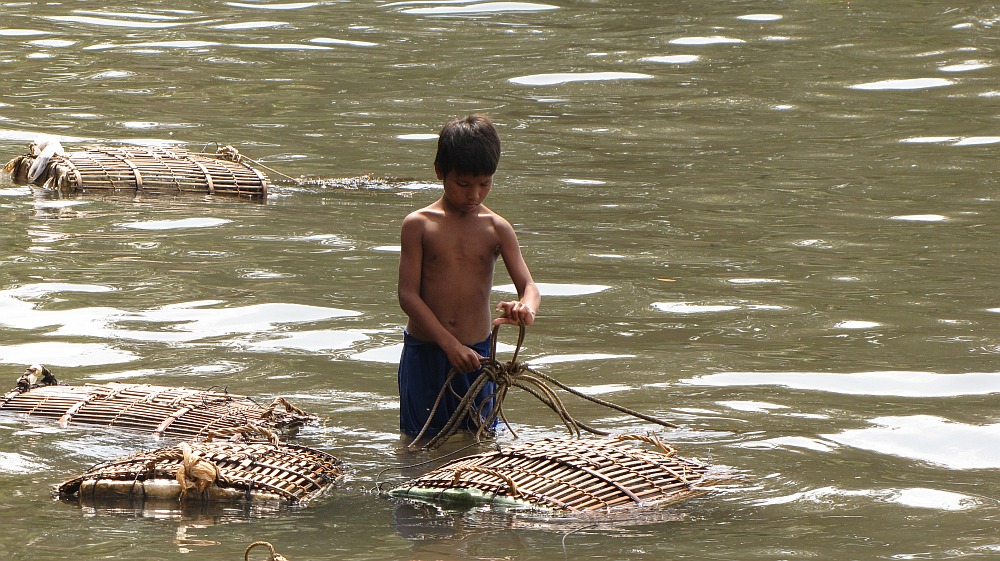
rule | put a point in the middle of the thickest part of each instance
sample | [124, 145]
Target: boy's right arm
[421, 317]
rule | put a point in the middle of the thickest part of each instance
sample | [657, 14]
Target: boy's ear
[437, 170]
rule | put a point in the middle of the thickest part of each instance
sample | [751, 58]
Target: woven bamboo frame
[160, 410]
[566, 474]
[153, 170]
[256, 471]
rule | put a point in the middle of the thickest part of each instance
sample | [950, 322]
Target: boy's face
[464, 191]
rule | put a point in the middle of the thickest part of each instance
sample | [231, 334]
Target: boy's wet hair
[468, 145]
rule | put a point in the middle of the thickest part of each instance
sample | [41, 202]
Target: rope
[377, 486]
[232, 154]
[289, 408]
[507, 375]
[272, 170]
[275, 556]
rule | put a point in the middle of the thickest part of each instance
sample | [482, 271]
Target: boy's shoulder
[424, 213]
[437, 210]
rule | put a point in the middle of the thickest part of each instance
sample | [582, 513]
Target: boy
[448, 252]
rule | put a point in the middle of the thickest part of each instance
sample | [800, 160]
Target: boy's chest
[469, 245]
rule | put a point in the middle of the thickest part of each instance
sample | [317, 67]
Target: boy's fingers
[475, 365]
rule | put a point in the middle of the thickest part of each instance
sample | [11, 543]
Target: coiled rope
[507, 375]
[275, 556]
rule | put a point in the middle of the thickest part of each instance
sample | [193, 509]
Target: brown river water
[770, 222]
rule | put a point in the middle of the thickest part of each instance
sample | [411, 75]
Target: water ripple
[908, 84]
[964, 66]
[481, 8]
[346, 42]
[566, 77]
[672, 59]
[179, 224]
[689, 308]
[309, 341]
[21, 32]
[557, 289]
[886, 383]
[281, 46]
[977, 140]
[711, 40]
[61, 353]
[52, 43]
[856, 324]
[930, 439]
[107, 22]
[555, 359]
[184, 322]
[915, 497]
[286, 6]
[919, 218]
[244, 25]
[760, 17]
[13, 462]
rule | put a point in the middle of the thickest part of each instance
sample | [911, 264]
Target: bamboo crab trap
[160, 410]
[253, 472]
[138, 170]
[565, 474]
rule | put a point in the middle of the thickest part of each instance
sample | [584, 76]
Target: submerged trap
[160, 410]
[565, 474]
[214, 472]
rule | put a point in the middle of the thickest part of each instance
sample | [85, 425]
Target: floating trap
[565, 474]
[137, 170]
[160, 410]
[268, 472]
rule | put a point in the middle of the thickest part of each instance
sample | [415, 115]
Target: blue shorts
[423, 369]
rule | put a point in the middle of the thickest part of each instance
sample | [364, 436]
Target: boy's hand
[464, 359]
[514, 313]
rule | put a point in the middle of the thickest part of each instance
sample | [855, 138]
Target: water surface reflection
[769, 223]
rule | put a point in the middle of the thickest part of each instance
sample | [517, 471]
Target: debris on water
[359, 182]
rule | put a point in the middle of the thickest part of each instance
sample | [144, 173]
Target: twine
[275, 556]
[507, 375]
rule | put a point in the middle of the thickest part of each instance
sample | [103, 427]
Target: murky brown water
[770, 222]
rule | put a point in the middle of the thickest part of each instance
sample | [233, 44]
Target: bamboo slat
[566, 474]
[146, 170]
[159, 410]
[247, 472]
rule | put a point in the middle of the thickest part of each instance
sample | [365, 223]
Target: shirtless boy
[447, 257]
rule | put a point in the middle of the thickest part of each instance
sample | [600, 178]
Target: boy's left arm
[523, 310]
